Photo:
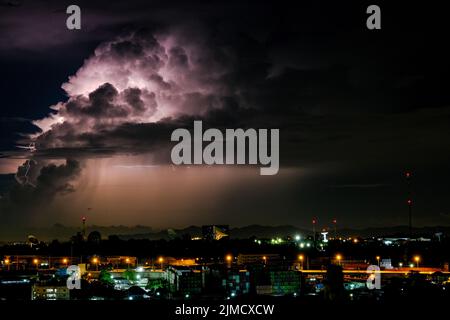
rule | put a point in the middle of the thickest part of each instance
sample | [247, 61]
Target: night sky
[356, 109]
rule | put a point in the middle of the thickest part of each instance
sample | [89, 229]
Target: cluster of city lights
[229, 258]
[305, 244]
[276, 241]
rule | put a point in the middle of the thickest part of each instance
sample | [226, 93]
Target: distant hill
[393, 231]
[236, 233]
[63, 233]
[267, 231]
[288, 230]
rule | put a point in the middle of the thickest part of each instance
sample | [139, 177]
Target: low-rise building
[236, 282]
[49, 292]
[185, 280]
[285, 282]
[246, 259]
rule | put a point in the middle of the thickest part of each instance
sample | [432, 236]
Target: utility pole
[408, 176]
[335, 228]
[314, 221]
[83, 228]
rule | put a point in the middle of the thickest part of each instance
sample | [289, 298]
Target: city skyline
[87, 115]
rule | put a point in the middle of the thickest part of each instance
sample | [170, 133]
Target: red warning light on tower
[408, 174]
[409, 202]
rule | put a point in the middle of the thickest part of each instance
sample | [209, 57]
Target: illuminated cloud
[130, 82]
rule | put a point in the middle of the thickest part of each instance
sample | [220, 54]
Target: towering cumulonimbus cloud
[126, 98]
[130, 84]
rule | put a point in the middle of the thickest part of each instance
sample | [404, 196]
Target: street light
[378, 259]
[65, 261]
[301, 258]
[161, 260]
[417, 260]
[95, 261]
[7, 261]
[339, 258]
[127, 260]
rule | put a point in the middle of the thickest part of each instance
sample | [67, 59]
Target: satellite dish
[32, 239]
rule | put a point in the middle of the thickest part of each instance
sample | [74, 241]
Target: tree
[105, 277]
[130, 275]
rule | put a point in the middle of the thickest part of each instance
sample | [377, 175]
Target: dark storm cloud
[54, 179]
[37, 183]
[45, 182]
[13, 130]
[10, 3]
[106, 103]
[306, 66]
